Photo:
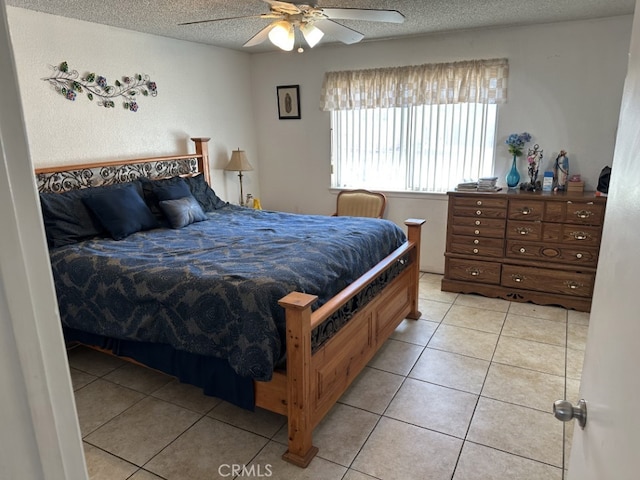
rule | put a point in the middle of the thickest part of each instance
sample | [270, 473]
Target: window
[419, 128]
[426, 148]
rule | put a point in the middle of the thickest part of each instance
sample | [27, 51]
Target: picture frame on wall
[288, 102]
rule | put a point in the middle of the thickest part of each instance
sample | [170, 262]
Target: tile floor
[464, 393]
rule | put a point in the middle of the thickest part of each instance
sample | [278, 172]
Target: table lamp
[239, 163]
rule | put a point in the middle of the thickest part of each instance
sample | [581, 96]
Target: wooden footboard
[314, 381]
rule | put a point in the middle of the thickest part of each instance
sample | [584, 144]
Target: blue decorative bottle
[513, 177]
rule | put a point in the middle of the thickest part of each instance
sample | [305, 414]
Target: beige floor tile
[342, 432]
[518, 430]
[464, 341]
[206, 451]
[434, 278]
[451, 370]
[104, 466]
[143, 430]
[372, 390]
[186, 396]
[355, 475]
[478, 301]
[577, 336]
[431, 291]
[476, 318]
[579, 318]
[397, 450]
[480, 462]
[100, 401]
[536, 329]
[269, 464]
[523, 387]
[418, 332]
[139, 378]
[556, 314]
[93, 362]
[575, 362]
[434, 407]
[432, 310]
[80, 379]
[532, 355]
[396, 357]
[260, 421]
[144, 475]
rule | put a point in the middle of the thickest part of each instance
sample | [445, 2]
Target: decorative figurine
[561, 171]
[534, 159]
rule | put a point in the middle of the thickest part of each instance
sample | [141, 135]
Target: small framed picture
[288, 102]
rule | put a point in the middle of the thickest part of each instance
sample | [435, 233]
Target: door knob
[565, 411]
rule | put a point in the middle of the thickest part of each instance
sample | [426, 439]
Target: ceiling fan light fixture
[312, 34]
[282, 35]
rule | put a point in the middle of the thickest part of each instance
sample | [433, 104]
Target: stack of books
[484, 184]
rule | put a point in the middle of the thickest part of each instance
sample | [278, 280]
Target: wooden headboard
[64, 178]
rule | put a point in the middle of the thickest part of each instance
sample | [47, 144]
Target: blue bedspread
[212, 288]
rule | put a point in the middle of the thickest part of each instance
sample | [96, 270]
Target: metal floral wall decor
[68, 84]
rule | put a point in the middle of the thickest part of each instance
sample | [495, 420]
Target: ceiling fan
[312, 21]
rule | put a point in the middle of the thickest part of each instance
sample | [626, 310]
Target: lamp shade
[282, 35]
[238, 162]
[311, 34]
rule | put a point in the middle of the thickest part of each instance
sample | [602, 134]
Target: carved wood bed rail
[373, 306]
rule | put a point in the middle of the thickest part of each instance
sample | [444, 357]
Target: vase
[513, 177]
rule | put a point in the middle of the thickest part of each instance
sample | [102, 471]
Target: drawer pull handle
[578, 255]
[475, 250]
[478, 212]
[479, 203]
[477, 232]
[583, 214]
[474, 271]
[477, 223]
[525, 211]
[476, 241]
[523, 230]
[523, 250]
[580, 235]
[518, 278]
[573, 285]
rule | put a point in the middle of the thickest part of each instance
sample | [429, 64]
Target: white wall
[565, 86]
[203, 91]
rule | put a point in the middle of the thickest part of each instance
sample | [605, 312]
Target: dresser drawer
[580, 213]
[474, 271]
[547, 280]
[479, 212]
[571, 234]
[528, 230]
[587, 256]
[526, 210]
[479, 201]
[480, 227]
[482, 247]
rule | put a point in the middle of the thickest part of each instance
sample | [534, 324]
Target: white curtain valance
[472, 81]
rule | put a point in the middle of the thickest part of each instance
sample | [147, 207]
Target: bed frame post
[202, 148]
[298, 315]
[414, 226]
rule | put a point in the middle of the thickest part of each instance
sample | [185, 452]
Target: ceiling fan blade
[283, 7]
[220, 19]
[340, 32]
[260, 37]
[370, 15]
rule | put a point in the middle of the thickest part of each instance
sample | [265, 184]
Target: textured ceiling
[161, 17]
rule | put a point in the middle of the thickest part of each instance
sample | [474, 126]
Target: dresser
[539, 247]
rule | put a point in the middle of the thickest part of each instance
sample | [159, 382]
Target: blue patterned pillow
[182, 211]
[121, 211]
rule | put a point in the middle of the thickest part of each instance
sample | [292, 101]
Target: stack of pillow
[122, 209]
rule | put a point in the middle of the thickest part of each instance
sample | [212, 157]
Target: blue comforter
[212, 288]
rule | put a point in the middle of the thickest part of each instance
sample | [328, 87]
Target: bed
[268, 309]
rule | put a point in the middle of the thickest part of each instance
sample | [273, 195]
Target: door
[609, 446]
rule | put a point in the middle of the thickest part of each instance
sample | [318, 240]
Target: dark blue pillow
[121, 211]
[171, 191]
[182, 211]
[67, 219]
[205, 195]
